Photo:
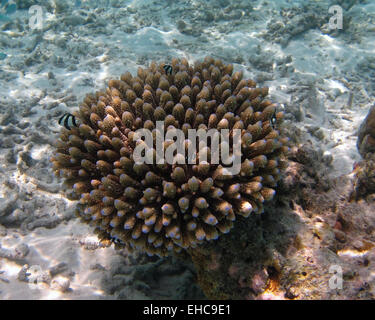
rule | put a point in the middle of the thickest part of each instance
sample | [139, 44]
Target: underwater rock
[262, 60]
[16, 254]
[366, 134]
[364, 170]
[295, 248]
[58, 269]
[46, 222]
[8, 205]
[34, 275]
[60, 284]
[364, 178]
[74, 20]
[295, 21]
[3, 231]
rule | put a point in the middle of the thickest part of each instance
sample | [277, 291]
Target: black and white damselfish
[68, 120]
[168, 69]
[273, 120]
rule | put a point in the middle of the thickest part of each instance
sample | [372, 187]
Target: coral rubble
[162, 208]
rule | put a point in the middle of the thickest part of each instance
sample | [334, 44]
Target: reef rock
[366, 135]
[310, 243]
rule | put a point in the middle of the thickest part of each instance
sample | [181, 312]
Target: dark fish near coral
[273, 120]
[69, 120]
[116, 240]
[168, 69]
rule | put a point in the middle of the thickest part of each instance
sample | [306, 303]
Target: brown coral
[162, 208]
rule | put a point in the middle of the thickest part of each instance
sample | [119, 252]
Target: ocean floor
[323, 80]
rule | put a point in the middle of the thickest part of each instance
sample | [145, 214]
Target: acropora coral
[162, 208]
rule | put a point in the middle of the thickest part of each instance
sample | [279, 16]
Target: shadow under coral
[312, 242]
[245, 262]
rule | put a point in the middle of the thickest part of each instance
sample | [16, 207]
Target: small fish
[115, 240]
[69, 120]
[168, 69]
[3, 55]
[273, 120]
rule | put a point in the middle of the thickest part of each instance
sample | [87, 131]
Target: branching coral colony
[162, 208]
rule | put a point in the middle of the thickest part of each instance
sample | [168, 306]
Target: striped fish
[68, 120]
[168, 69]
[273, 120]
